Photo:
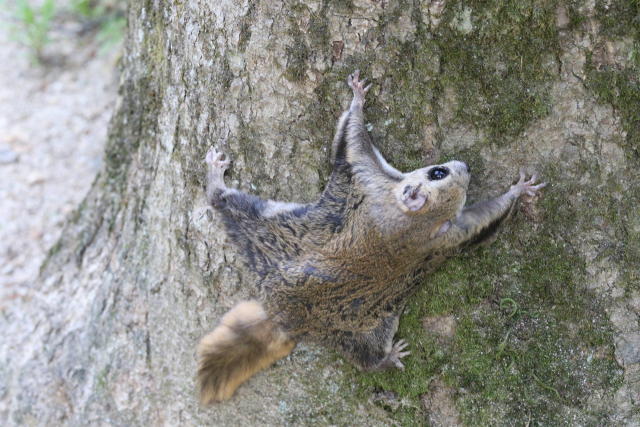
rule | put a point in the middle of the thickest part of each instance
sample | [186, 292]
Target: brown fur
[340, 270]
[245, 342]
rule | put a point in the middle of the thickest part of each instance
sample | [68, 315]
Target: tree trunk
[143, 270]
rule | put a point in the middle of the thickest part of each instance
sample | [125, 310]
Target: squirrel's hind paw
[393, 358]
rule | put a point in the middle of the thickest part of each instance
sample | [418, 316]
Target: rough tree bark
[143, 270]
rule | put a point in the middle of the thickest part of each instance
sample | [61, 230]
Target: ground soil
[53, 127]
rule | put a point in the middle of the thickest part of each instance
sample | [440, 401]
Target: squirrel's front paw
[527, 187]
[214, 159]
[359, 90]
[218, 166]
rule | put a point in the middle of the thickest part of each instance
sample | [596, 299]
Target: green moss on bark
[615, 84]
[621, 89]
[297, 54]
[498, 69]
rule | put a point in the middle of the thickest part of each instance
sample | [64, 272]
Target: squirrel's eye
[438, 173]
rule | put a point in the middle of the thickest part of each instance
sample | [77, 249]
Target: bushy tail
[245, 342]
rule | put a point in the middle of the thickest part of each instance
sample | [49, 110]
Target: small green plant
[111, 32]
[84, 7]
[107, 15]
[34, 23]
[96, 8]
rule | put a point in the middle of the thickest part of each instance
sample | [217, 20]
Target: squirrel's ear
[413, 198]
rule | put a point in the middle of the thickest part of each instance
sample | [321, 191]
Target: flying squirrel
[340, 270]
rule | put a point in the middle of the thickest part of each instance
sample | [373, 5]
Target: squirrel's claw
[527, 187]
[213, 159]
[358, 86]
[396, 354]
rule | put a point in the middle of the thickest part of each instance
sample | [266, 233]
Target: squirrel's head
[439, 191]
